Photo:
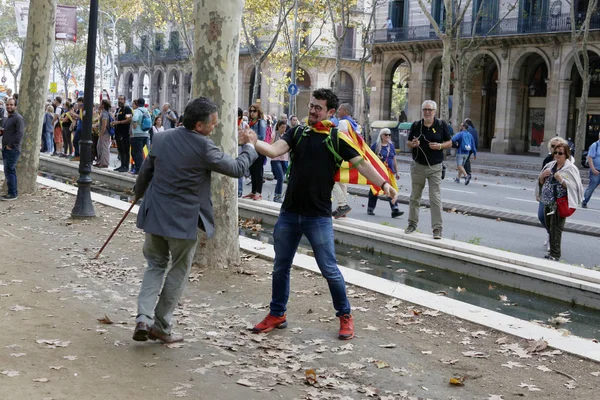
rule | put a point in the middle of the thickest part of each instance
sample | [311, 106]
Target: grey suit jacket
[175, 182]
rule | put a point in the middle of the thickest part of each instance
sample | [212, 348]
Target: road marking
[459, 191]
[528, 201]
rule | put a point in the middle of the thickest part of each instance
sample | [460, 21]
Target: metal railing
[161, 55]
[488, 27]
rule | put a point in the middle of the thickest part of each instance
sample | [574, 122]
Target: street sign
[53, 87]
[293, 89]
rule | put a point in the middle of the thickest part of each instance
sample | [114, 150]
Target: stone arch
[514, 71]
[347, 83]
[484, 52]
[393, 62]
[173, 89]
[128, 82]
[158, 83]
[569, 61]
[144, 84]
[432, 65]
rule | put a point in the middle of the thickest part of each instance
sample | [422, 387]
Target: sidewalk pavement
[55, 342]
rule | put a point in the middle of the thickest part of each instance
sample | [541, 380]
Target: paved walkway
[55, 344]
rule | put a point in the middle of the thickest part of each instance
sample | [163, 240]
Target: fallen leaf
[42, 380]
[461, 290]
[246, 382]
[457, 381]
[149, 364]
[503, 298]
[10, 374]
[559, 320]
[448, 362]
[70, 358]
[56, 367]
[502, 340]
[426, 352]
[512, 364]
[544, 368]
[597, 373]
[310, 376]
[18, 354]
[420, 271]
[531, 388]
[381, 364]
[371, 328]
[495, 396]
[570, 385]
[105, 320]
[490, 287]
[388, 346]
[474, 354]
[537, 346]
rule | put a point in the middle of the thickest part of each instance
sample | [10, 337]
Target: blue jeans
[49, 141]
[594, 181]
[10, 158]
[137, 151]
[542, 215]
[277, 169]
[76, 138]
[287, 234]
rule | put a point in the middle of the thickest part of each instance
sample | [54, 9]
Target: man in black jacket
[12, 136]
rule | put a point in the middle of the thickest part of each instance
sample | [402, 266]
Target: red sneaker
[269, 323]
[346, 327]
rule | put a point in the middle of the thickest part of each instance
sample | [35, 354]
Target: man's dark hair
[80, 99]
[198, 110]
[140, 102]
[468, 122]
[106, 105]
[329, 96]
[240, 113]
[59, 99]
[68, 106]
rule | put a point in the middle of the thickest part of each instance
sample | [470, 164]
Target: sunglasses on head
[560, 153]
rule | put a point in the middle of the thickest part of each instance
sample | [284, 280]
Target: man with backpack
[316, 154]
[593, 157]
[465, 146]
[141, 122]
[169, 118]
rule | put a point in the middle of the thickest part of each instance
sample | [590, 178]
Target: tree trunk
[66, 82]
[216, 54]
[35, 77]
[366, 105]
[459, 96]
[582, 118]
[338, 64]
[257, 71]
[16, 80]
[446, 74]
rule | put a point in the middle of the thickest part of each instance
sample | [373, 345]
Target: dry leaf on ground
[105, 320]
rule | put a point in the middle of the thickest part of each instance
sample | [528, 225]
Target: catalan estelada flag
[347, 173]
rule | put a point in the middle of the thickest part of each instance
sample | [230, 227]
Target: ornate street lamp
[84, 207]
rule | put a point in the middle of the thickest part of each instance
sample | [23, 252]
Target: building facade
[523, 86]
[162, 75]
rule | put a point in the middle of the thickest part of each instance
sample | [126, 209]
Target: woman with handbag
[561, 194]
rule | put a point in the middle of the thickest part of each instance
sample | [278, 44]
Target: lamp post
[83, 204]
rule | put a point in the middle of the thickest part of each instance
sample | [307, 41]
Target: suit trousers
[421, 174]
[157, 251]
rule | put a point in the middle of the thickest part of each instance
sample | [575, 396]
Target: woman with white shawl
[559, 178]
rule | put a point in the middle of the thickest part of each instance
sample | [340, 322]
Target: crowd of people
[128, 127]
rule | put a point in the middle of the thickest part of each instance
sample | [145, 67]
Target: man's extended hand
[247, 136]
[390, 192]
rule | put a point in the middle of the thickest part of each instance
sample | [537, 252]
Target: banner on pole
[66, 21]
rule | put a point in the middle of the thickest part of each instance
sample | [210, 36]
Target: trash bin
[403, 131]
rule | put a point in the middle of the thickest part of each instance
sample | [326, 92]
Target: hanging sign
[66, 21]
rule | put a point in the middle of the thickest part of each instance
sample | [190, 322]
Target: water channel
[585, 322]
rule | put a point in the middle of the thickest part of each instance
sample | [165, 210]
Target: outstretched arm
[276, 149]
[367, 170]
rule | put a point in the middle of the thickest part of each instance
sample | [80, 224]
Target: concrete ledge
[500, 266]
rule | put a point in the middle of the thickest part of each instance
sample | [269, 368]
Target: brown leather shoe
[140, 334]
[153, 334]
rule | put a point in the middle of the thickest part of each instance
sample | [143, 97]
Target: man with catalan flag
[316, 155]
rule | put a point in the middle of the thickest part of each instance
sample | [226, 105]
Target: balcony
[487, 27]
[166, 55]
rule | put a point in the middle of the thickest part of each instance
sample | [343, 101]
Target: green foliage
[475, 240]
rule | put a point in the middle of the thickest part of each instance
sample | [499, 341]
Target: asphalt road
[485, 190]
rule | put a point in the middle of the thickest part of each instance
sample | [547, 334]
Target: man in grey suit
[175, 183]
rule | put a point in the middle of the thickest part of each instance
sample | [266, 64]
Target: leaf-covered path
[68, 321]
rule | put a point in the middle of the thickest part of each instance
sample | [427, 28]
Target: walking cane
[116, 228]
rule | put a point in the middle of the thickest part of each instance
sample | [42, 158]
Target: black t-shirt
[436, 133]
[312, 171]
[121, 116]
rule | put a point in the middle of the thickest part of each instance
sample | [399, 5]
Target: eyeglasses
[386, 134]
[316, 107]
[428, 110]
[252, 110]
[560, 153]
[552, 146]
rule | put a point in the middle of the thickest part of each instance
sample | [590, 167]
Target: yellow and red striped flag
[348, 174]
